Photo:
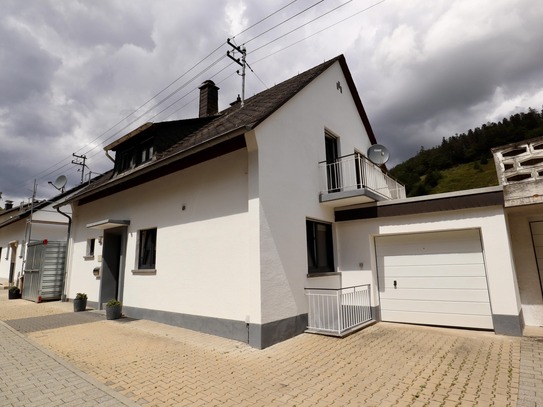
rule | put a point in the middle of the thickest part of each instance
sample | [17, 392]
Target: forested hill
[464, 161]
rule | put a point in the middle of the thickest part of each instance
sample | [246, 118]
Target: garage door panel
[472, 321]
[443, 307]
[465, 241]
[433, 259]
[436, 295]
[454, 283]
[445, 270]
[440, 276]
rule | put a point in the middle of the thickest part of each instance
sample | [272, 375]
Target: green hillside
[465, 161]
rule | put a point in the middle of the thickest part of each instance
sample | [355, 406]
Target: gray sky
[71, 72]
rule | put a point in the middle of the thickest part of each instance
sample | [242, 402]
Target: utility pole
[242, 63]
[82, 164]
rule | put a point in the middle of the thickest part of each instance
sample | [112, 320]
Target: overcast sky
[72, 72]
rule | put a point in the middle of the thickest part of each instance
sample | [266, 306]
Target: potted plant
[14, 292]
[80, 302]
[114, 309]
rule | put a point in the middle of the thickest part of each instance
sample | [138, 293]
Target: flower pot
[80, 304]
[114, 312]
[14, 295]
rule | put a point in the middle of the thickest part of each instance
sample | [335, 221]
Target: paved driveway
[383, 365]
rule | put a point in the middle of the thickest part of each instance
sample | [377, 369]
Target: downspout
[110, 157]
[63, 296]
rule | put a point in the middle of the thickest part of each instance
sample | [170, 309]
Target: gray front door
[110, 280]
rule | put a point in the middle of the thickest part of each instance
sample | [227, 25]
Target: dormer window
[135, 156]
[126, 160]
[145, 151]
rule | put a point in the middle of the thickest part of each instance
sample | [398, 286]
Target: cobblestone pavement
[31, 376]
[384, 365]
[531, 373]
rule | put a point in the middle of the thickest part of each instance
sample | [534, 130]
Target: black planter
[80, 304]
[14, 295]
[114, 312]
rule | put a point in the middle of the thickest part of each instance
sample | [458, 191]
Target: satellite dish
[378, 154]
[60, 182]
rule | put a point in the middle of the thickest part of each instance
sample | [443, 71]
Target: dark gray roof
[194, 133]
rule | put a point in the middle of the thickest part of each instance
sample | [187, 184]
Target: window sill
[144, 272]
[88, 257]
[325, 274]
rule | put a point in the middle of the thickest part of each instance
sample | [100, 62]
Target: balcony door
[332, 163]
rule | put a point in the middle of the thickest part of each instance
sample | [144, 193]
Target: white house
[26, 231]
[204, 222]
[266, 219]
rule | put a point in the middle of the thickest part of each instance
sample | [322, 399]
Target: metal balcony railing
[338, 311]
[354, 171]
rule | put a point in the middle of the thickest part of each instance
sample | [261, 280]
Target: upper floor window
[126, 160]
[134, 156]
[145, 151]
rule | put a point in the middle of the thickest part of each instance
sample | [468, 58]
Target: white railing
[352, 172]
[337, 311]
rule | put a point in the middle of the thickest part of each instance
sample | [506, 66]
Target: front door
[12, 261]
[110, 281]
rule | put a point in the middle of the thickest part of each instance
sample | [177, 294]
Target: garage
[435, 278]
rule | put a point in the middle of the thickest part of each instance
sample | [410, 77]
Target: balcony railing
[338, 311]
[355, 172]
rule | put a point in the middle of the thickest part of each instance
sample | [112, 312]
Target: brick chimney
[209, 99]
[8, 205]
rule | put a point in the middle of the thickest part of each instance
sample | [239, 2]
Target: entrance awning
[108, 224]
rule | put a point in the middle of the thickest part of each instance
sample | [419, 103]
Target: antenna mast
[82, 164]
[241, 62]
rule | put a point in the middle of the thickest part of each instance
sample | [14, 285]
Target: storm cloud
[72, 72]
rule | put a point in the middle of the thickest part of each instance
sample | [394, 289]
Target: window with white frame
[147, 249]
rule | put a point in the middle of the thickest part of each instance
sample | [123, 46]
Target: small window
[126, 160]
[320, 247]
[146, 152]
[147, 249]
[90, 247]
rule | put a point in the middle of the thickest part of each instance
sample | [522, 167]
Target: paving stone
[386, 364]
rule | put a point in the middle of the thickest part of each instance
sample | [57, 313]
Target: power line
[320, 31]
[163, 100]
[284, 21]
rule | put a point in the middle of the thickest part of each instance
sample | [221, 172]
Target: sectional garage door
[434, 278]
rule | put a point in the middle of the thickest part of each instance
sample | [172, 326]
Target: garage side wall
[356, 246]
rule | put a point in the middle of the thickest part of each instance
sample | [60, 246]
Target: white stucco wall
[203, 261]
[525, 262]
[47, 224]
[290, 146]
[356, 245]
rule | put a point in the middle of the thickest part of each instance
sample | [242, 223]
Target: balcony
[353, 179]
[337, 312]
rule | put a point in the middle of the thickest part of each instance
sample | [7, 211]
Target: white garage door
[434, 278]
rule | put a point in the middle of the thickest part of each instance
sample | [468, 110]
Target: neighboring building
[25, 232]
[206, 223]
[520, 171]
